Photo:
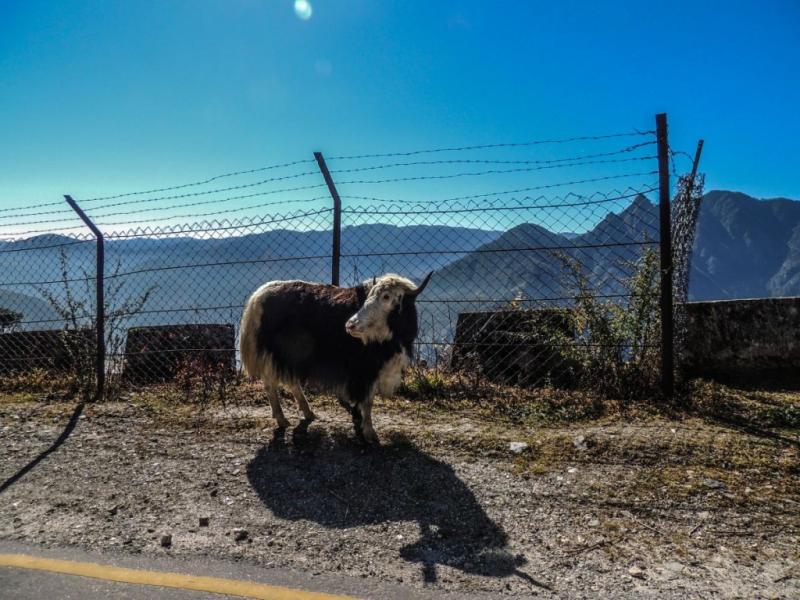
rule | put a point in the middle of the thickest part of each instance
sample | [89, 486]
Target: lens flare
[302, 8]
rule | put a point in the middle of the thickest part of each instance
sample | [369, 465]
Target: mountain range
[744, 247]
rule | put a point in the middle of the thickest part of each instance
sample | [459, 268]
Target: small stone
[635, 571]
[517, 447]
[239, 534]
[714, 484]
[203, 521]
[594, 523]
[580, 443]
[166, 540]
[673, 566]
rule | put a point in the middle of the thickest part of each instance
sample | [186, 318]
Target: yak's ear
[421, 286]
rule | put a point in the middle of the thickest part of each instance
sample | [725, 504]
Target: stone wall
[515, 347]
[158, 353]
[744, 340]
[52, 350]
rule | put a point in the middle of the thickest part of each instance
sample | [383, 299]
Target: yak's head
[389, 306]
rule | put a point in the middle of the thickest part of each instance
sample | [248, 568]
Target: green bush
[616, 343]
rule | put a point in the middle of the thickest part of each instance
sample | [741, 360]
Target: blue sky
[104, 97]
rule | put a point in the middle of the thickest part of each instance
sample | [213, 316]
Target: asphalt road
[273, 584]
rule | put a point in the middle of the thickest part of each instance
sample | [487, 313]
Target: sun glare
[302, 9]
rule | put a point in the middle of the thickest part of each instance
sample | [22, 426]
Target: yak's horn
[422, 285]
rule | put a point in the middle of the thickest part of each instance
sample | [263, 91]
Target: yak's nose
[351, 326]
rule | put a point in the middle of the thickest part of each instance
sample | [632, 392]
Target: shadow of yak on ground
[338, 484]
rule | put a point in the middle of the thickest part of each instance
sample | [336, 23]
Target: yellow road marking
[216, 585]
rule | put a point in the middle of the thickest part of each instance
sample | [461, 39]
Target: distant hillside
[188, 273]
[746, 248]
[527, 261]
[30, 307]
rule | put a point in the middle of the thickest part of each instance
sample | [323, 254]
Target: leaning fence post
[337, 218]
[101, 307]
[667, 326]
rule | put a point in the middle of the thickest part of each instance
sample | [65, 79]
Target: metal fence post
[667, 323]
[100, 324]
[337, 218]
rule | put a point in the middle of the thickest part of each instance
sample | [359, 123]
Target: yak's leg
[367, 429]
[302, 403]
[344, 400]
[275, 404]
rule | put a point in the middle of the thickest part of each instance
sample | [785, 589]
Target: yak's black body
[353, 342]
[302, 329]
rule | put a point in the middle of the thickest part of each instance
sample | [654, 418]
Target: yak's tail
[248, 334]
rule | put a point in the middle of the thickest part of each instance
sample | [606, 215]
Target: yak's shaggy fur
[295, 332]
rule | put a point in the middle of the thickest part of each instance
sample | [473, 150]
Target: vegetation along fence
[552, 259]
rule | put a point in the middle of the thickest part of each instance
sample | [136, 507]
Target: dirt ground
[454, 500]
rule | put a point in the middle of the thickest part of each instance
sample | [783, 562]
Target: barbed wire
[625, 150]
[42, 205]
[41, 222]
[203, 182]
[223, 225]
[207, 192]
[64, 211]
[207, 202]
[493, 171]
[10, 236]
[497, 145]
[384, 209]
[502, 193]
[202, 215]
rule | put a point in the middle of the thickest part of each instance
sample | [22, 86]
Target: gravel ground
[656, 508]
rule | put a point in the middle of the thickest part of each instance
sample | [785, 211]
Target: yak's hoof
[282, 422]
[309, 416]
[371, 438]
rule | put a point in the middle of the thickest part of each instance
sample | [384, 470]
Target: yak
[353, 342]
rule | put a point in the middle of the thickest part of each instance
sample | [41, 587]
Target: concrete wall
[744, 339]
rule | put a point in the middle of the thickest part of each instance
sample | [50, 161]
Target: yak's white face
[370, 323]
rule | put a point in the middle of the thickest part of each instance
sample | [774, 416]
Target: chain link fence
[545, 266]
[47, 317]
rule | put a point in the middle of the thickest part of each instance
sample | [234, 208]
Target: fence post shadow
[73, 421]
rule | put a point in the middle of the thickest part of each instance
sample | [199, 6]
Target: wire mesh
[503, 281]
[47, 310]
[518, 245]
[176, 293]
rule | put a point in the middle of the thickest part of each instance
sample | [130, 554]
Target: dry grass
[716, 432]
[643, 469]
